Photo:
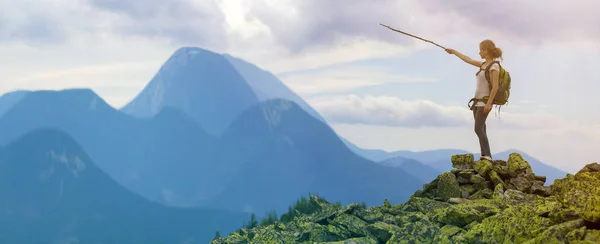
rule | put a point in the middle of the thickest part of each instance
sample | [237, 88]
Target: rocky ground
[477, 202]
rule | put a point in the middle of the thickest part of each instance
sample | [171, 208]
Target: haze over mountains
[201, 83]
[282, 150]
[212, 131]
[170, 159]
[52, 192]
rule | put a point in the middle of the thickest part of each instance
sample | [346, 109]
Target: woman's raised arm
[464, 58]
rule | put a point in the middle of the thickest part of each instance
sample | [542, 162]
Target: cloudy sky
[378, 88]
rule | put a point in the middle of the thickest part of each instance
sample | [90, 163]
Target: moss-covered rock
[592, 167]
[423, 205]
[559, 231]
[383, 231]
[505, 203]
[415, 229]
[483, 167]
[521, 184]
[458, 215]
[482, 194]
[495, 178]
[517, 165]
[462, 161]
[581, 194]
[448, 186]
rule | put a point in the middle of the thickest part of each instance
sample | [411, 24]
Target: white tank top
[482, 88]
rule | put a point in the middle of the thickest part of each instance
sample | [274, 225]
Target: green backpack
[503, 92]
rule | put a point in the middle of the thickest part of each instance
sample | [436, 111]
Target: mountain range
[52, 192]
[212, 131]
[170, 159]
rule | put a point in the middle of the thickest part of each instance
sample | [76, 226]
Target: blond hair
[491, 48]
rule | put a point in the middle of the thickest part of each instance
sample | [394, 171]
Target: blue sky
[378, 88]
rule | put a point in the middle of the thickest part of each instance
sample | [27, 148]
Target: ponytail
[492, 49]
[498, 53]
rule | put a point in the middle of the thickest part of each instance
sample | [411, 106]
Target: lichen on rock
[476, 202]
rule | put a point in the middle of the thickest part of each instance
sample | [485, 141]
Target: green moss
[448, 187]
[423, 205]
[517, 165]
[327, 233]
[482, 167]
[383, 231]
[358, 240]
[450, 230]
[555, 232]
[495, 178]
[416, 230]
[592, 236]
[352, 224]
[477, 179]
[482, 194]
[514, 224]
[581, 194]
[470, 189]
[576, 234]
[462, 161]
[270, 235]
[458, 215]
[546, 206]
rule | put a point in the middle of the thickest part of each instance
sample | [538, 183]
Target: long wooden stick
[413, 36]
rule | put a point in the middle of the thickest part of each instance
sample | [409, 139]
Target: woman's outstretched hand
[450, 51]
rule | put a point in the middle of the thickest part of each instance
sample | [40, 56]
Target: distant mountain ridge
[267, 86]
[157, 157]
[422, 171]
[286, 152]
[199, 82]
[48, 184]
[169, 158]
[10, 99]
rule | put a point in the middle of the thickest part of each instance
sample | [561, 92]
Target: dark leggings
[480, 130]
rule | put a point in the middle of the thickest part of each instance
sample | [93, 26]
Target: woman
[489, 52]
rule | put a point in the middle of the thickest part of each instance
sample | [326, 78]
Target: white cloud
[393, 111]
[388, 111]
[526, 22]
[43, 22]
[343, 78]
[78, 76]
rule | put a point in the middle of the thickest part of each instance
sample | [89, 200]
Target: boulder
[521, 184]
[592, 167]
[495, 178]
[485, 193]
[448, 186]
[462, 161]
[580, 193]
[517, 165]
[483, 167]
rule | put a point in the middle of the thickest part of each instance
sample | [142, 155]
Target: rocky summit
[476, 202]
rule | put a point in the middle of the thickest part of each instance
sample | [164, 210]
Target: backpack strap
[474, 101]
[487, 72]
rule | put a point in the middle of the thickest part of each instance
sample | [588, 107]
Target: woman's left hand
[488, 108]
